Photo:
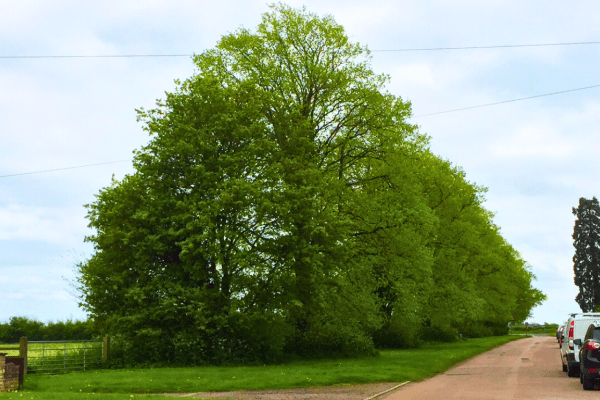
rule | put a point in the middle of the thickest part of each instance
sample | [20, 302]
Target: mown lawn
[390, 366]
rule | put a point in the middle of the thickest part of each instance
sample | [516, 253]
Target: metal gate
[56, 357]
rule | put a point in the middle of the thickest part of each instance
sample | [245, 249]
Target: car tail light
[592, 345]
[571, 335]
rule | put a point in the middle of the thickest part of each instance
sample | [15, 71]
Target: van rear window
[596, 334]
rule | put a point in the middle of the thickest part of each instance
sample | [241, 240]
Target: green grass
[25, 395]
[390, 366]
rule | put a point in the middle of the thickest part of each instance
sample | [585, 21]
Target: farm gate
[61, 356]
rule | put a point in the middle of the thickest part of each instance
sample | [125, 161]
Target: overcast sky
[537, 156]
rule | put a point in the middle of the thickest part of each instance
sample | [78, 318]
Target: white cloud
[533, 141]
[52, 225]
[38, 293]
[414, 74]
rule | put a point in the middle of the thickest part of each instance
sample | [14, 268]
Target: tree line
[17, 327]
[285, 205]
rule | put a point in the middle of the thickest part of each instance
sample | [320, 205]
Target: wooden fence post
[106, 346]
[23, 353]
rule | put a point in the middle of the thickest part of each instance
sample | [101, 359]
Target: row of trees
[17, 327]
[285, 205]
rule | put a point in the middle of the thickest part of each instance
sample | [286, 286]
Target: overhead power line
[416, 116]
[374, 51]
[491, 47]
[105, 56]
[62, 169]
[506, 101]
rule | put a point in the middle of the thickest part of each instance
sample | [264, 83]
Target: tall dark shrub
[586, 262]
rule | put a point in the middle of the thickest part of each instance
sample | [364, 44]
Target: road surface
[524, 369]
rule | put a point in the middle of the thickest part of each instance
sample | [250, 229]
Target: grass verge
[390, 366]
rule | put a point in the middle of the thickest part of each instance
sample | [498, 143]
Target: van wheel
[588, 384]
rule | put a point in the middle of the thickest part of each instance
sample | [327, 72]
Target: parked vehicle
[589, 354]
[560, 335]
[576, 328]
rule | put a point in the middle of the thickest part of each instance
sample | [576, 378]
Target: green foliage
[401, 331]
[477, 329]
[284, 205]
[17, 327]
[586, 240]
[437, 333]
[478, 277]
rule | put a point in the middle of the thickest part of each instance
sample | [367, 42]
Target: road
[524, 369]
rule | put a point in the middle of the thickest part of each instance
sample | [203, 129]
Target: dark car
[589, 357]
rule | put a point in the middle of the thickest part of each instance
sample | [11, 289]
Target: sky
[537, 157]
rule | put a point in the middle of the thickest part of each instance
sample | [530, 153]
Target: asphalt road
[524, 369]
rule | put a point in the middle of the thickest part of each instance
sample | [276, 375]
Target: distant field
[11, 353]
[549, 329]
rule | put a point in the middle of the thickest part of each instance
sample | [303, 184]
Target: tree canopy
[284, 204]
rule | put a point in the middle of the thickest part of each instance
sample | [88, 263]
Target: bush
[445, 334]
[328, 339]
[243, 339]
[484, 329]
[399, 333]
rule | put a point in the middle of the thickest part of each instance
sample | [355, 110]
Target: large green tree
[284, 204]
[586, 261]
[253, 206]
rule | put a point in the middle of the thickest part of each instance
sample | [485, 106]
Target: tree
[586, 261]
[240, 232]
[283, 205]
[479, 280]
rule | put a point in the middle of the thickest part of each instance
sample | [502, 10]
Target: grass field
[390, 366]
[549, 329]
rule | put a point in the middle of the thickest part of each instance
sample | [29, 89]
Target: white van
[575, 328]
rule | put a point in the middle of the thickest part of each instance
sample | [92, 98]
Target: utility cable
[106, 56]
[62, 169]
[373, 51]
[491, 47]
[506, 101]
[415, 116]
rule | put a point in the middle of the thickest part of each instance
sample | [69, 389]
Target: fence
[56, 357]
